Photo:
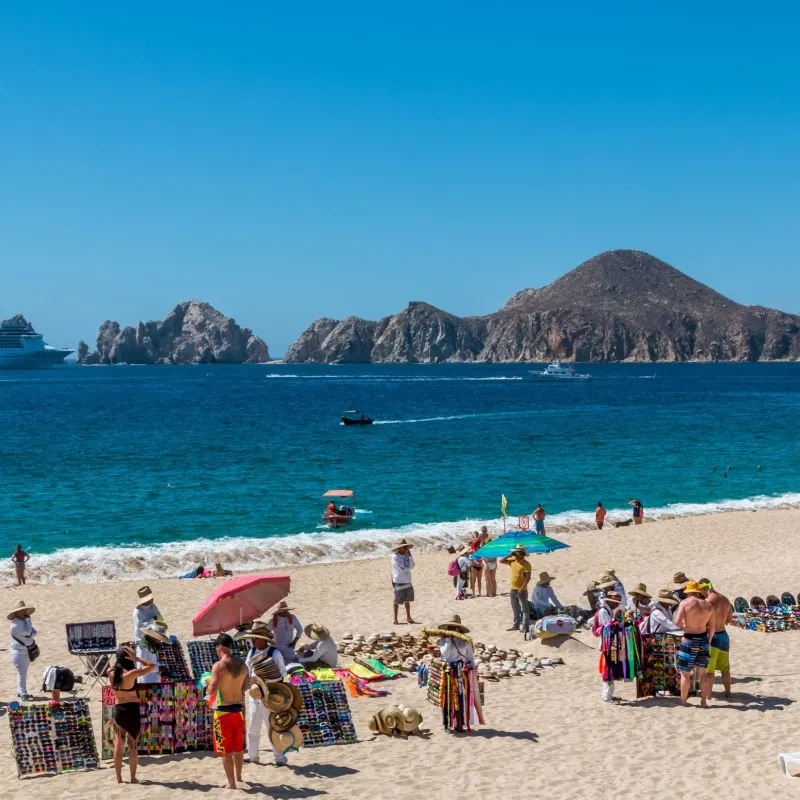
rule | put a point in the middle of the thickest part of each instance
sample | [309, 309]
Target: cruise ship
[22, 348]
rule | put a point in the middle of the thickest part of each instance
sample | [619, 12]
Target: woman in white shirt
[22, 633]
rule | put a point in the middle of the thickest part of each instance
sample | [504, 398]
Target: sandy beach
[548, 734]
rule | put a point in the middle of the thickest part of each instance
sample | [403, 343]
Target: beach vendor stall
[453, 679]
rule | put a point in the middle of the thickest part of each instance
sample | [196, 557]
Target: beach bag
[33, 649]
[453, 570]
[556, 625]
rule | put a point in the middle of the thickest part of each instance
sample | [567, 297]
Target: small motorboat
[342, 514]
[362, 420]
[556, 371]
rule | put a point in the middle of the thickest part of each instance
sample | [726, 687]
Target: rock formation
[622, 305]
[193, 333]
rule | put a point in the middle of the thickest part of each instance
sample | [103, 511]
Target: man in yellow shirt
[520, 578]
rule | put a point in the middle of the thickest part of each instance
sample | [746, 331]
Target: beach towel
[381, 668]
[357, 687]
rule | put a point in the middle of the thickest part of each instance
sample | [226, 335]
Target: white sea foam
[97, 564]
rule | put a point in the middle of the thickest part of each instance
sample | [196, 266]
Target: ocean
[127, 471]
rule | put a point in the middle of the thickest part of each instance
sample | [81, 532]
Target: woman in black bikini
[123, 676]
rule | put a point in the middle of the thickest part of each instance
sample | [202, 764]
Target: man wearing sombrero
[286, 630]
[262, 651]
[520, 578]
[402, 564]
[322, 651]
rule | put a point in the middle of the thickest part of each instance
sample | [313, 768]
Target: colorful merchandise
[49, 738]
[620, 651]
[454, 688]
[171, 662]
[175, 719]
[325, 718]
[659, 672]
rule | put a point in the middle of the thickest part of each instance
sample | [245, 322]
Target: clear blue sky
[344, 158]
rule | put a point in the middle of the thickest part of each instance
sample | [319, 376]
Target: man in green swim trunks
[719, 654]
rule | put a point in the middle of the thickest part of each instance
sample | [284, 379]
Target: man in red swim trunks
[229, 678]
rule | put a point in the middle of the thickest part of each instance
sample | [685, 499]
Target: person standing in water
[599, 515]
[20, 558]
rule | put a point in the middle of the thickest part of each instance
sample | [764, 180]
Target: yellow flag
[503, 504]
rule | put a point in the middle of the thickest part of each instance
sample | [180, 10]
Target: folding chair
[93, 643]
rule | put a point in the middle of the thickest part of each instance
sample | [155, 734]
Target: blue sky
[345, 158]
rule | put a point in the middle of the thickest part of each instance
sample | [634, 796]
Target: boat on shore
[556, 371]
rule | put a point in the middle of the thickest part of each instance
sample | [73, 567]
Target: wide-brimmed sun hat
[520, 548]
[400, 544]
[607, 581]
[279, 697]
[680, 578]
[640, 590]
[454, 624]
[693, 587]
[157, 631]
[614, 597]
[544, 579]
[283, 608]
[145, 595]
[259, 630]
[21, 606]
[317, 631]
[665, 597]
[591, 587]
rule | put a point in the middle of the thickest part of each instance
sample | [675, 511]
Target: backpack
[453, 570]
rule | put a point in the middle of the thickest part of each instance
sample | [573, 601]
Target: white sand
[545, 736]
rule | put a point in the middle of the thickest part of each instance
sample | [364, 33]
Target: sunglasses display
[325, 718]
[50, 738]
[203, 654]
[91, 637]
[171, 662]
[175, 719]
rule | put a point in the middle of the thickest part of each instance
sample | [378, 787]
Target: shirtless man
[695, 616]
[538, 519]
[719, 656]
[229, 679]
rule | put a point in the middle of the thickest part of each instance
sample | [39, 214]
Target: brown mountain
[192, 333]
[620, 305]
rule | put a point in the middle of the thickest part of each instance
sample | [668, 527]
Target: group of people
[692, 610]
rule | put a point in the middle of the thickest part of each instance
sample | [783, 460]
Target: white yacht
[22, 348]
[556, 371]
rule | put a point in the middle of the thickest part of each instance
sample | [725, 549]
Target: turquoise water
[146, 469]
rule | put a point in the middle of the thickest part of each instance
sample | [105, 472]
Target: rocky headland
[622, 305]
[192, 333]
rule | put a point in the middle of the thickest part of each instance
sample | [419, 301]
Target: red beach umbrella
[239, 600]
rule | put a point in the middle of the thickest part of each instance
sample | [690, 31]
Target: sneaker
[281, 763]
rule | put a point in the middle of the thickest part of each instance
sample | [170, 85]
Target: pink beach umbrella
[239, 600]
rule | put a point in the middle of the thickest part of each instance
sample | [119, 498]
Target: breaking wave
[98, 564]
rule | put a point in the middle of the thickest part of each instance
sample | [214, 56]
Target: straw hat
[680, 579]
[608, 581]
[145, 595]
[612, 573]
[283, 720]
[454, 624]
[641, 590]
[400, 544]
[157, 631]
[21, 606]
[283, 741]
[462, 548]
[544, 579]
[279, 697]
[258, 630]
[317, 631]
[520, 548]
[283, 608]
[665, 597]
[591, 587]
[693, 587]
[614, 597]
